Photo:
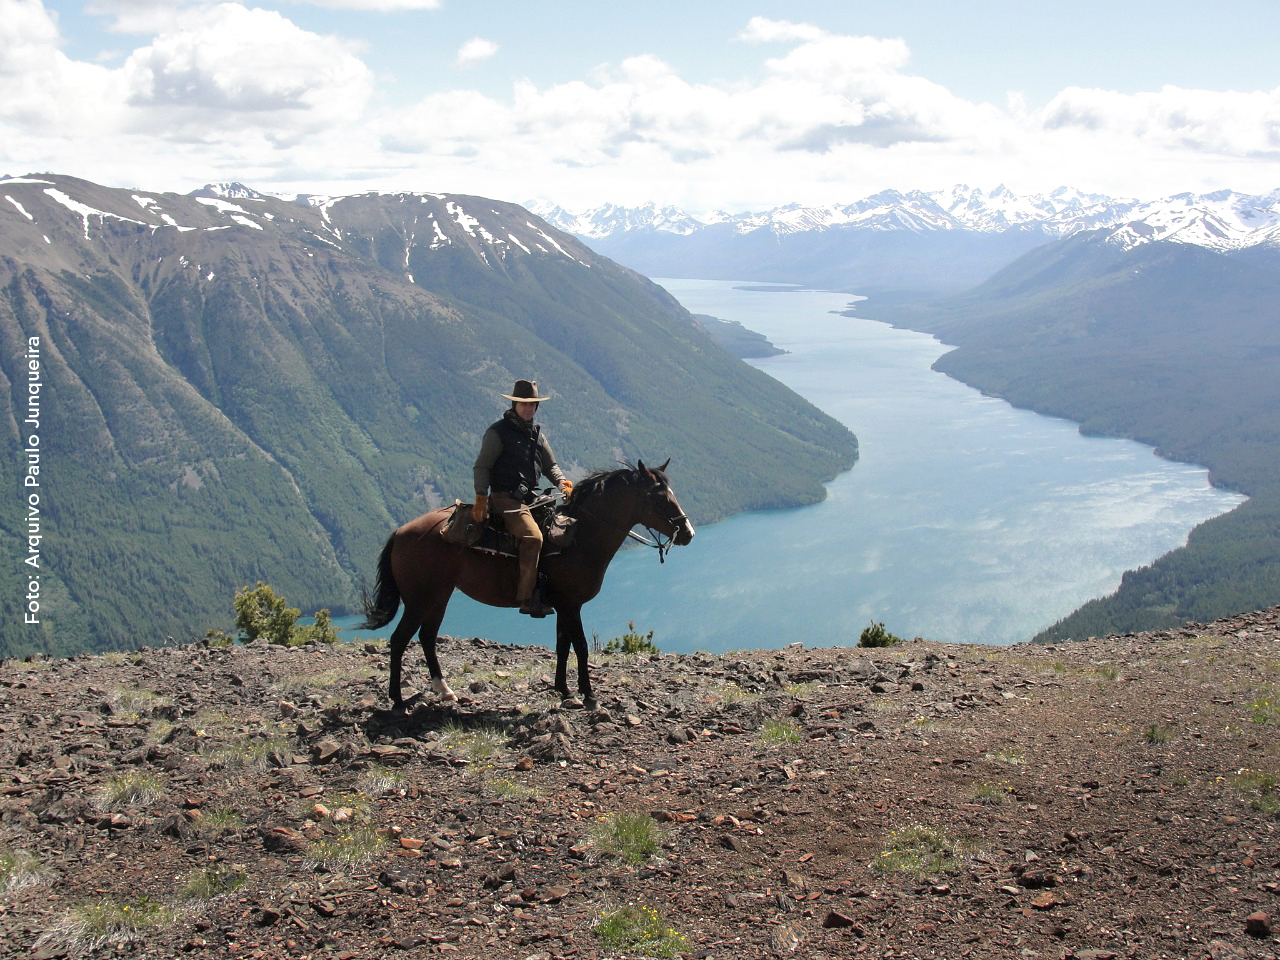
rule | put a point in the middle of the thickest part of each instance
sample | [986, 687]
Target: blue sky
[704, 104]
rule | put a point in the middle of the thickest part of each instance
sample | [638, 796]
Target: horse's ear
[641, 468]
[663, 468]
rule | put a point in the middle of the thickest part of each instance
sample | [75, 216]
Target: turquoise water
[964, 520]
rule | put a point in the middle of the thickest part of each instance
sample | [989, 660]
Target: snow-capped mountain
[1221, 220]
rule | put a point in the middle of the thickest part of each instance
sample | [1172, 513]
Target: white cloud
[378, 6]
[1206, 121]
[475, 50]
[229, 65]
[229, 92]
[764, 30]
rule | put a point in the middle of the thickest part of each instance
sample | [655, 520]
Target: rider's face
[525, 410]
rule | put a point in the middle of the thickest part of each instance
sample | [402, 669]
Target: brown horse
[419, 568]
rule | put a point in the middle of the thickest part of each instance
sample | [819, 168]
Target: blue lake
[964, 519]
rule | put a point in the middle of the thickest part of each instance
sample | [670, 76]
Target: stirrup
[536, 608]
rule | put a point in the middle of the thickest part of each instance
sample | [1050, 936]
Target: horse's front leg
[569, 632]
[563, 641]
[427, 635]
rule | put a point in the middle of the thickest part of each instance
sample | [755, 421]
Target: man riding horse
[514, 453]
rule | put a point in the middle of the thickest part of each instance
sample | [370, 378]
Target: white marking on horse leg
[442, 689]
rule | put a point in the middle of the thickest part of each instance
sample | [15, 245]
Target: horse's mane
[597, 482]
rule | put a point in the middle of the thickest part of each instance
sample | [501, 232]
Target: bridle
[657, 543]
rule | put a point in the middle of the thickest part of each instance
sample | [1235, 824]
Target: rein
[656, 542]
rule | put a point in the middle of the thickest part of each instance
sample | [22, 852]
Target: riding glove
[481, 509]
[566, 487]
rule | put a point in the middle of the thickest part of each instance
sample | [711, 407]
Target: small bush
[875, 635]
[1155, 734]
[631, 837]
[260, 612]
[632, 642]
[990, 793]
[639, 930]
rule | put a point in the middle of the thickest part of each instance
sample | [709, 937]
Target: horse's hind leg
[400, 638]
[427, 636]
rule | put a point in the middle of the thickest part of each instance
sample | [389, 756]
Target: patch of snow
[85, 211]
[21, 209]
[551, 241]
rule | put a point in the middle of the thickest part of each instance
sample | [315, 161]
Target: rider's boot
[527, 593]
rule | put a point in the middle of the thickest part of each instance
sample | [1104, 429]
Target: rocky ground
[1111, 798]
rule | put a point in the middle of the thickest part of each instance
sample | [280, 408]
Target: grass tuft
[91, 926]
[920, 851]
[18, 869]
[1266, 708]
[1009, 758]
[378, 780]
[1260, 788]
[346, 850]
[775, 731]
[213, 882]
[639, 930]
[993, 794]
[129, 788]
[631, 837]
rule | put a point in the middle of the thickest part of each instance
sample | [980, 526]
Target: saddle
[491, 536]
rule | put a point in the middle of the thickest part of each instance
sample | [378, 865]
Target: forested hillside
[235, 389]
[1171, 344]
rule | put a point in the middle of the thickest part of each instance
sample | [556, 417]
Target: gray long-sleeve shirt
[491, 448]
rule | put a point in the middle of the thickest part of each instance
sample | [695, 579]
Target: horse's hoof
[590, 703]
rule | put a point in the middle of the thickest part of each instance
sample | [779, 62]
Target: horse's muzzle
[684, 532]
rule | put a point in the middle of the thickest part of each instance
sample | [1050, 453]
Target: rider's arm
[490, 449]
[547, 460]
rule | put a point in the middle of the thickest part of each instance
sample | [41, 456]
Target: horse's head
[661, 510]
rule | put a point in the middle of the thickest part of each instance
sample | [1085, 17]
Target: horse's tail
[380, 608]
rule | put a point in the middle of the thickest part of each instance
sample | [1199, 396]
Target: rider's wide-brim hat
[525, 391]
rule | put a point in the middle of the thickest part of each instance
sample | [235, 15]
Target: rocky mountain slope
[236, 388]
[1110, 798]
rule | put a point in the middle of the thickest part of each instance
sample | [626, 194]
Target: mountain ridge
[1221, 219]
[242, 387]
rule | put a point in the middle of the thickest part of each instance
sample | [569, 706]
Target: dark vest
[517, 469]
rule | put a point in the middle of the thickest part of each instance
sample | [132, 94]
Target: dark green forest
[1169, 344]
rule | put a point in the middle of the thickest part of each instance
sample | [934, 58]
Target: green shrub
[632, 642]
[260, 612]
[876, 635]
